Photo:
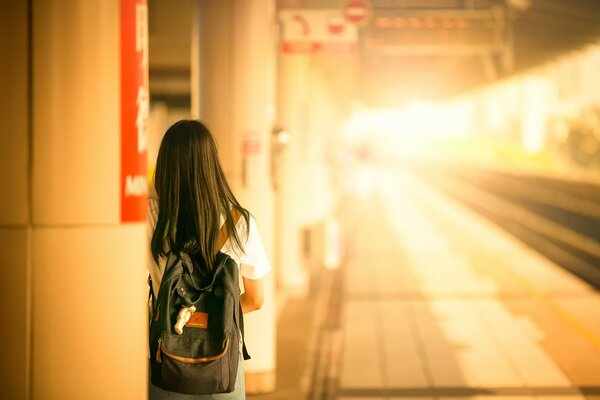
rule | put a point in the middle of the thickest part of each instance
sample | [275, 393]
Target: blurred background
[425, 176]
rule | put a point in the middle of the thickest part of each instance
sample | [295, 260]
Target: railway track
[556, 217]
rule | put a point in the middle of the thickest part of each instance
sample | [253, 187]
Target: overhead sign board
[436, 32]
[316, 31]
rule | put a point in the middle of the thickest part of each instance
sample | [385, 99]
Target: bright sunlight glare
[409, 131]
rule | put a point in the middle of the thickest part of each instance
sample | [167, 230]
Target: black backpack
[203, 358]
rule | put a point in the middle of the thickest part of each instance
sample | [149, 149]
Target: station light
[400, 22]
[435, 31]
[415, 22]
[426, 22]
[283, 137]
[384, 22]
[521, 5]
[430, 22]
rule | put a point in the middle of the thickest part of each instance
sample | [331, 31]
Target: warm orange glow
[415, 22]
[430, 22]
[400, 22]
[384, 22]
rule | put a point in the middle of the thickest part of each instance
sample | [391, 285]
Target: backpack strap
[239, 319]
[222, 238]
[151, 299]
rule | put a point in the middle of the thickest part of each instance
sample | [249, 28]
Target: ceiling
[542, 30]
[550, 28]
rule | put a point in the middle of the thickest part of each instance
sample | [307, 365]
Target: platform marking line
[568, 318]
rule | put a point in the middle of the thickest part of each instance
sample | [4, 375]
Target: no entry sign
[357, 11]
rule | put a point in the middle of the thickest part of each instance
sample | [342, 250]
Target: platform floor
[439, 303]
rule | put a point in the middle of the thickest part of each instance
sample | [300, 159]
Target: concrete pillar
[73, 278]
[292, 115]
[233, 71]
[323, 127]
[15, 221]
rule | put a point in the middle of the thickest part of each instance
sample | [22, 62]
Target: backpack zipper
[187, 360]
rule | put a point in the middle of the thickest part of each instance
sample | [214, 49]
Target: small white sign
[316, 31]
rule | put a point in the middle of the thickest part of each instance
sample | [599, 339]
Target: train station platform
[435, 302]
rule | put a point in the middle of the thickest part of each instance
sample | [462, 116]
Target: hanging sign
[134, 109]
[316, 31]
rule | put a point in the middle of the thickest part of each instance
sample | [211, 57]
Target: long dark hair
[192, 193]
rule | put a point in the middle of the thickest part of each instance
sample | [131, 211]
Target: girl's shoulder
[242, 228]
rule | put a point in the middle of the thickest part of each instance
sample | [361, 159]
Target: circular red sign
[357, 11]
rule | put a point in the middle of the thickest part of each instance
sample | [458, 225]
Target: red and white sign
[357, 12]
[135, 108]
[250, 147]
[311, 31]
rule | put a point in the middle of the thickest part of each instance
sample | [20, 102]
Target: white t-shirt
[253, 261]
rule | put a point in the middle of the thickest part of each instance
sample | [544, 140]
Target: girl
[192, 201]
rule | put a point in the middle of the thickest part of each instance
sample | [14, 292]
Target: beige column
[234, 73]
[73, 283]
[329, 77]
[292, 189]
[324, 126]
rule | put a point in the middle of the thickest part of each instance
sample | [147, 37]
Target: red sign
[135, 108]
[357, 11]
[339, 48]
[317, 31]
[335, 25]
[250, 147]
